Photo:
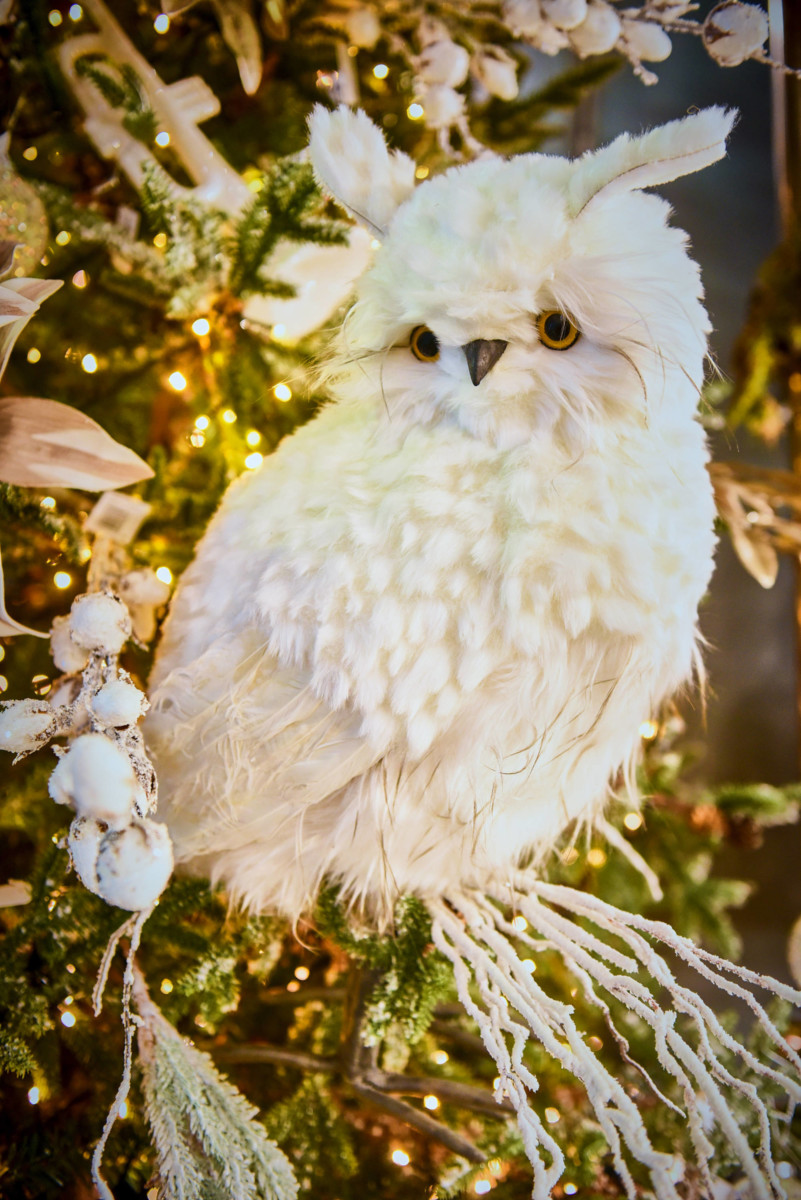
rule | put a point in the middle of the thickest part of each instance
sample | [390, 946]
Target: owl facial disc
[482, 356]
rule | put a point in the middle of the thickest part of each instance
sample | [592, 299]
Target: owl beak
[482, 356]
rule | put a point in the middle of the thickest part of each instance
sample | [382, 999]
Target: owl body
[419, 642]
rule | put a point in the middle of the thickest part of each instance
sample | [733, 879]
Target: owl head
[536, 296]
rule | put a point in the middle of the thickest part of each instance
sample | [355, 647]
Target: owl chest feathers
[407, 573]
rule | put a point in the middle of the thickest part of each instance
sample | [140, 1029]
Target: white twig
[481, 943]
[615, 838]
[129, 1022]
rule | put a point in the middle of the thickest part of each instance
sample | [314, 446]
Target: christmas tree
[155, 162]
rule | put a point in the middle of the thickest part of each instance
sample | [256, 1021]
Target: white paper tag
[117, 516]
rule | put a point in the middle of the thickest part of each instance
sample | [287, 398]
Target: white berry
[443, 62]
[564, 14]
[734, 32]
[443, 106]
[67, 655]
[96, 777]
[84, 840]
[598, 32]
[646, 40]
[118, 703]
[100, 622]
[496, 70]
[363, 27]
[143, 586]
[23, 724]
[134, 865]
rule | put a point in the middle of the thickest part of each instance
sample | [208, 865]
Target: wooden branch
[476, 1099]
[418, 1120]
[272, 1054]
[455, 1033]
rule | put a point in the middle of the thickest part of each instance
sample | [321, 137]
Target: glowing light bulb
[520, 923]
[80, 279]
[68, 1019]
[89, 363]
[381, 70]
[30, 153]
[253, 437]
[431, 1102]
[62, 579]
[33, 355]
[530, 965]
[293, 986]
[177, 381]
[400, 1157]
[229, 416]
[202, 423]
[122, 1111]
[279, 331]
[164, 574]
[421, 173]
[166, 987]
[482, 1186]
[54, 17]
[440, 1057]
[415, 112]
[201, 327]
[596, 857]
[160, 240]
[570, 1189]
[162, 138]
[161, 23]
[552, 1115]
[649, 730]
[34, 1095]
[569, 856]
[632, 821]
[282, 392]
[254, 460]
[301, 972]
[69, 1000]
[75, 12]
[63, 237]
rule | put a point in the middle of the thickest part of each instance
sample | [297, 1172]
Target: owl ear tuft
[352, 162]
[665, 153]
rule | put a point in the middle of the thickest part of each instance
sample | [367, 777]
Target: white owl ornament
[417, 645]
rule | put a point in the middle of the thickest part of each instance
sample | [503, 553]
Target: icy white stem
[129, 1022]
[615, 838]
[480, 943]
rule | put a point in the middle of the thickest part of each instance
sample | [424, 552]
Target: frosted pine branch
[204, 1130]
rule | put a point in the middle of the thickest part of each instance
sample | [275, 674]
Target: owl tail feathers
[509, 1006]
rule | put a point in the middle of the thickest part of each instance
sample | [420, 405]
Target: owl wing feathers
[235, 727]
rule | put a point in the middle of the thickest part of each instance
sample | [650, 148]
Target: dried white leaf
[47, 444]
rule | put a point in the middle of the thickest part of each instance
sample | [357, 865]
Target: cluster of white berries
[732, 32]
[444, 65]
[104, 773]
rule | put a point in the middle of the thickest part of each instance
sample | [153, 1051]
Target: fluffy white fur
[419, 642]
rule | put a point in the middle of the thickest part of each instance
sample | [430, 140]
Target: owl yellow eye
[556, 331]
[424, 344]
